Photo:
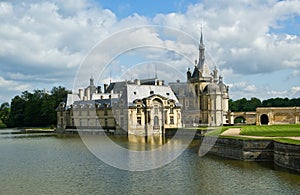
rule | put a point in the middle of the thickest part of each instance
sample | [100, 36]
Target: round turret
[222, 86]
[211, 88]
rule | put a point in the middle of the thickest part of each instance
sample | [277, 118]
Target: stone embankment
[282, 154]
[287, 155]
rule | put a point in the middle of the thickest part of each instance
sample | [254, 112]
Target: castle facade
[148, 107]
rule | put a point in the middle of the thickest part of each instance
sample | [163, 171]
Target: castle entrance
[264, 119]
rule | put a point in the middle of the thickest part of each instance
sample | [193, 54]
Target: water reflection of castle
[147, 107]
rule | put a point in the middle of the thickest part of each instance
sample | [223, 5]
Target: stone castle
[149, 106]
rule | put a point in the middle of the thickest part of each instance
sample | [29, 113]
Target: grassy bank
[288, 141]
[272, 130]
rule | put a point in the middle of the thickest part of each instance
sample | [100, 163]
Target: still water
[45, 164]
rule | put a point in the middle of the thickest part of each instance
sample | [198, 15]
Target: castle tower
[210, 93]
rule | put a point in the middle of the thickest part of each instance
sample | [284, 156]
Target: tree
[253, 103]
[16, 117]
[36, 109]
[4, 112]
[244, 105]
[233, 105]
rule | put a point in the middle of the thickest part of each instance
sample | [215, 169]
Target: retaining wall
[287, 156]
[282, 154]
[249, 150]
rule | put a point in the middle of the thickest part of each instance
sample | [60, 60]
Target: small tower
[91, 81]
[209, 94]
[201, 53]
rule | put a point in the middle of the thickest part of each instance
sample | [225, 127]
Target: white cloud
[44, 41]
[39, 34]
[295, 91]
[12, 85]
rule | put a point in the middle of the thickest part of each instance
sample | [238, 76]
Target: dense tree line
[244, 105]
[35, 109]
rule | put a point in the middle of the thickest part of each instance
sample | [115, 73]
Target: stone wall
[282, 154]
[248, 150]
[287, 156]
[278, 115]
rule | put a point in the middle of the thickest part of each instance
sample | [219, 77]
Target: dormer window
[138, 109]
[171, 109]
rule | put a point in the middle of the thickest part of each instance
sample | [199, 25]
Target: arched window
[156, 123]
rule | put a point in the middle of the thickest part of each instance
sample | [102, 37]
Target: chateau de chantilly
[149, 106]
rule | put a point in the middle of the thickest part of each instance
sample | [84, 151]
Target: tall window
[156, 121]
[139, 120]
[166, 115]
[138, 110]
[172, 120]
[106, 122]
[122, 121]
[149, 117]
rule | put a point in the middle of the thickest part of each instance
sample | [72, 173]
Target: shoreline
[244, 148]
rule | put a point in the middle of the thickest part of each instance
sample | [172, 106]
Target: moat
[47, 164]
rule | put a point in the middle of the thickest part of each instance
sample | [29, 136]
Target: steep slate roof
[101, 103]
[133, 92]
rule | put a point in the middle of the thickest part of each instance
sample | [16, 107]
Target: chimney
[88, 94]
[99, 90]
[137, 82]
[105, 88]
[80, 94]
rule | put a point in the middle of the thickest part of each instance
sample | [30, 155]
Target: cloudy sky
[254, 43]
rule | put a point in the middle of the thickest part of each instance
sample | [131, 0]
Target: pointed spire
[201, 45]
[201, 37]
[201, 52]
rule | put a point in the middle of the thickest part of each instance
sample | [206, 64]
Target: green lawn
[272, 130]
[286, 140]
